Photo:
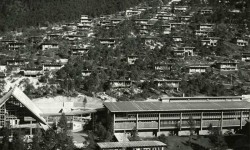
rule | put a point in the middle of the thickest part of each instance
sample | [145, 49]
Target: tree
[63, 123]
[5, 132]
[85, 102]
[191, 124]
[37, 140]
[216, 137]
[18, 143]
[134, 135]
[163, 138]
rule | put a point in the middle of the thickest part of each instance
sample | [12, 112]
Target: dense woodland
[15, 14]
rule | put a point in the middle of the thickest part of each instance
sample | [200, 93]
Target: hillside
[22, 13]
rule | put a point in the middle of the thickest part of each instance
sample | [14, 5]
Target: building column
[159, 122]
[136, 121]
[221, 123]
[241, 119]
[201, 120]
[114, 122]
[180, 120]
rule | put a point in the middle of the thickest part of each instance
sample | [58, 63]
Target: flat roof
[130, 144]
[142, 106]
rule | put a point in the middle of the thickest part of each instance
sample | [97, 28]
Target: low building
[131, 59]
[165, 115]
[203, 33]
[32, 72]
[121, 83]
[245, 56]
[206, 27]
[210, 41]
[242, 42]
[16, 45]
[79, 51]
[46, 46]
[163, 67]
[174, 84]
[85, 20]
[132, 12]
[206, 11]
[227, 65]
[16, 62]
[86, 73]
[52, 67]
[116, 21]
[132, 145]
[108, 41]
[185, 18]
[197, 68]
[183, 51]
[180, 9]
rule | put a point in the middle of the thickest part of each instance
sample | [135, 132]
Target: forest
[16, 14]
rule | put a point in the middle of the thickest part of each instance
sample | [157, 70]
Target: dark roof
[131, 144]
[135, 106]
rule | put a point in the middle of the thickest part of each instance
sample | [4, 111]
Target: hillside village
[177, 50]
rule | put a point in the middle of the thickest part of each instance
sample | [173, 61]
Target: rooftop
[130, 144]
[136, 106]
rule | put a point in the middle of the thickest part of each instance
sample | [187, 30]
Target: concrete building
[173, 114]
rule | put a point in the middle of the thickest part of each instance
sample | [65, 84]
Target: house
[75, 37]
[197, 68]
[18, 111]
[141, 21]
[16, 45]
[16, 62]
[35, 39]
[242, 42]
[108, 41]
[145, 28]
[121, 83]
[180, 9]
[183, 51]
[163, 67]
[131, 59]
[155, 118]
[174, 84]
[52, 67]
[132, 145]
[116, 21]
[132, 12]
[6, 42]
[32, 72]
[109, 26]
[206, 27]
[83, 26]
[176, 24]
[165, 17]
[46, 46]
[86, 73]
[53, 36]
[3, 68]
[227, 65]
[166, 29]
[210, 41]
[245, 56]
[177, 39]
[203, 33]
[79, 51]
[85, 20]
[206, 11]
[185, 18]
[104, 22]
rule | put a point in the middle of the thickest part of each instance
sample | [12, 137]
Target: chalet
[227, 65]
[183, 51]
[32, 72]
[204, 33]
[141, 21]
[197, 68]
[131, 59]
[206, 26]
[46, 46]
[85, 20]
[185, 18]
[16, 45]
[163, 66]
[163, 116]
[245, 56]
[2, 76]
[79, 51]
[16, 62]
[3, 68]
[206, 11]
[165, 17]
[75, 37]
[210, 41]
[176, 24]
[52, 67]
[53, 36]
[86, 73]
[108, 41]
[132, 12]
[116, 21]
[121, 83]
[18, 111]
[180, 9]
[168, 83]
[132, 145]
[166, 29]
[242, 42]
[83, 27]
[104, 22]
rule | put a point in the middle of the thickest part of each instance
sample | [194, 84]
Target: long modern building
[173, 114]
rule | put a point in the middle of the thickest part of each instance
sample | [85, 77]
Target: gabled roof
[26, 101]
